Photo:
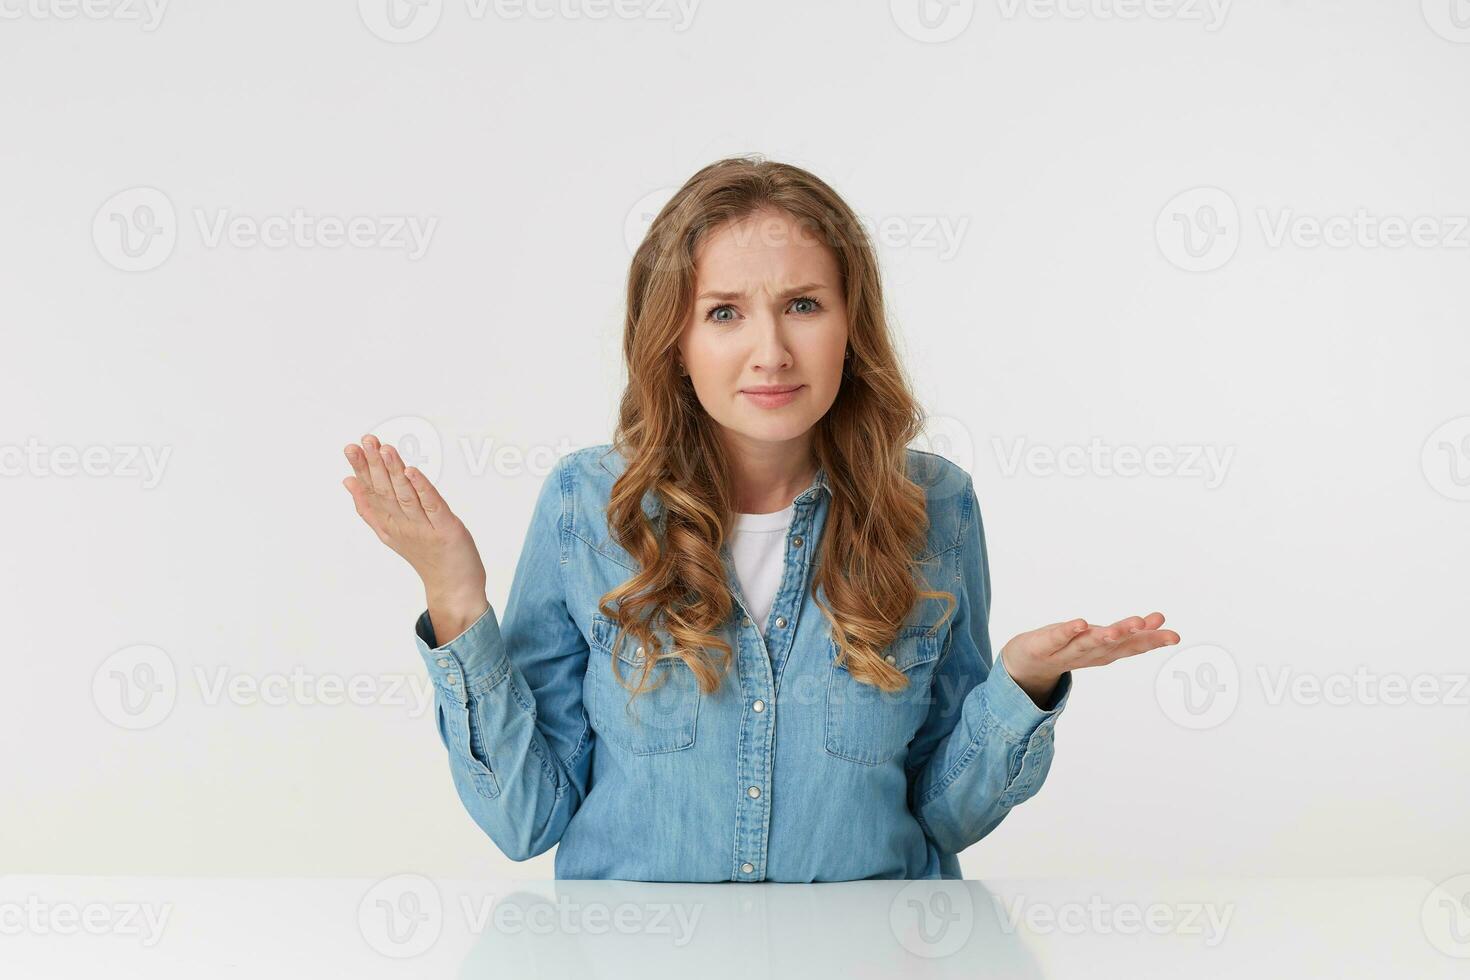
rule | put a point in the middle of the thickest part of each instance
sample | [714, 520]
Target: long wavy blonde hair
[877, 523]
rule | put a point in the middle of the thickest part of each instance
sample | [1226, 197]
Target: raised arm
[508, 693]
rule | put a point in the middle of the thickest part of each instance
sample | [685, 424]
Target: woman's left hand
[1036, 660]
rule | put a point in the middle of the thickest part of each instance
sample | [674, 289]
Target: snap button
[443, 662]
[453, 680]
[747, 867]
[890, 659]
[759, 705]
[796, 541]
[745, 622]
[781, 622]
[754, 792]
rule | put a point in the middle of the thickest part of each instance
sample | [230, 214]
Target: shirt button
[747, 867]
[759, 705]
[745, 622]
[754, 792]
[890, 659]
[796, 541]
[780, 622]
[453, 680]
[443, 662]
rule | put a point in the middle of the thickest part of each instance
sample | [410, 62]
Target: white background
[1331, 548]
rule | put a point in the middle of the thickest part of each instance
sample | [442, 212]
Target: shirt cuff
[476, 653]
[1013, 709]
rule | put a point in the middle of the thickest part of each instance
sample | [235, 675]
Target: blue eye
[710, 313]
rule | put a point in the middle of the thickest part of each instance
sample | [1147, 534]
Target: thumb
[1048, 639]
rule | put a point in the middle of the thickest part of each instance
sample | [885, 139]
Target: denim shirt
[792, 771]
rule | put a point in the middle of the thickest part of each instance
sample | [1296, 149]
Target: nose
[771, 353]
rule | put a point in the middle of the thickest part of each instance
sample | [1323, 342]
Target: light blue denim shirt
[792, 770]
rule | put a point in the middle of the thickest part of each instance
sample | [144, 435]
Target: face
[768, 313]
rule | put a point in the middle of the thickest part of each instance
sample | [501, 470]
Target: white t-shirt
[758, 546]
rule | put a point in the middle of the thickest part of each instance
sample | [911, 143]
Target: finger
[380, 483]
[435, 509]
[1091, 639]
[362, 502]
[1047, 640]
[1138, 643]
[357, 459]
[408, 497]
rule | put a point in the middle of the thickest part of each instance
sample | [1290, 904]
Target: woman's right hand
[408, 515]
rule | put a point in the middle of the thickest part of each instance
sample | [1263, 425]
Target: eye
[710, 314]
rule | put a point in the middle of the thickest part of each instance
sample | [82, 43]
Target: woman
[748, 639]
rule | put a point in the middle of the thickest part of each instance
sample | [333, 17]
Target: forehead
[764, 246]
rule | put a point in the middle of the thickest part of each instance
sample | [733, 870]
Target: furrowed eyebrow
[810, 287]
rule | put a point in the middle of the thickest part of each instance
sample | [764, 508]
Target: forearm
[506, 773]
[996, 757]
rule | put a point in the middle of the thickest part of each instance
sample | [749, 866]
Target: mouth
[772, 396]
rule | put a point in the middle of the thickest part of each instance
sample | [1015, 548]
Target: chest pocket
[661, 718]
[868, 725]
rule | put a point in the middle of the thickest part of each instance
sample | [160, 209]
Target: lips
[772, 397]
